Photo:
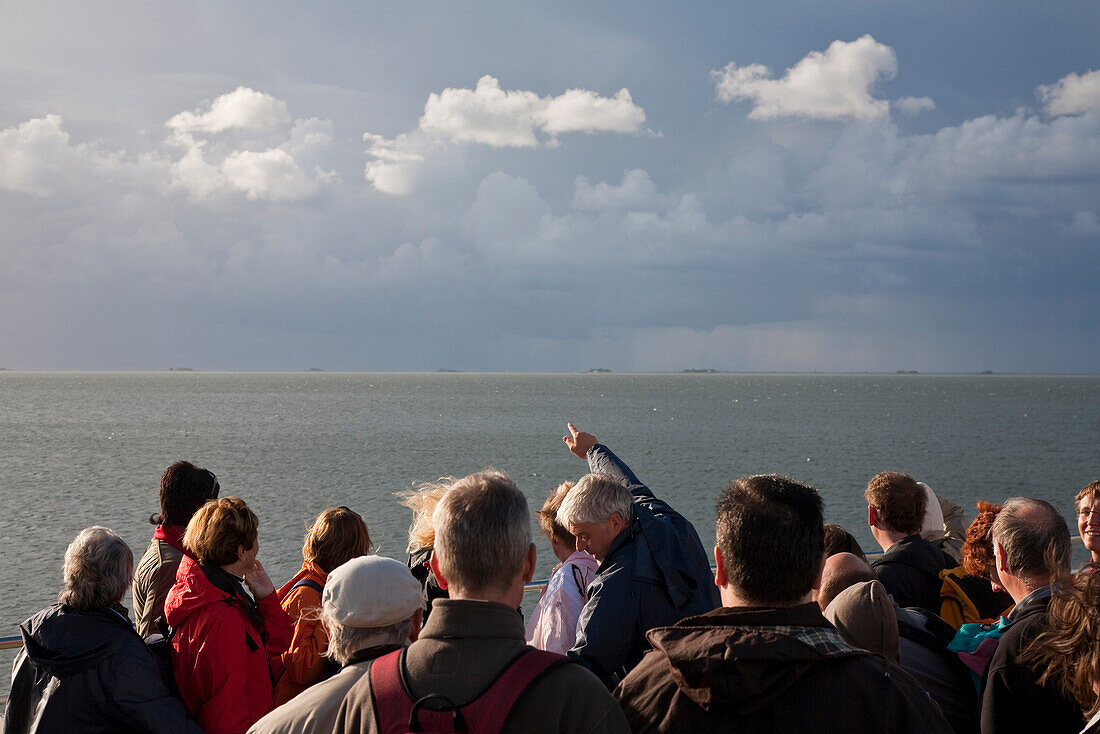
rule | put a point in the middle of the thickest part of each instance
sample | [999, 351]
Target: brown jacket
[154, 576]
[769, 670]
[462, 649]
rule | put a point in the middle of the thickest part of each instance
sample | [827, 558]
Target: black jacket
[655, 573]
[1011, 700]
[88, 672]
[770, 671]
[910, 571]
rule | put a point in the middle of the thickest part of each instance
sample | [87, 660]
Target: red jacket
[219, 657]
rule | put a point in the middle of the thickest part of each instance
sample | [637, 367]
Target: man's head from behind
[483, 546]
[184, 488]
[596, 510]
[897, 502]
[770, 541]
[1031, 545]
[841, 571]
[368, 601]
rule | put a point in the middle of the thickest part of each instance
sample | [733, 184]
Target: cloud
[243, 109]
[489, 115]
[831, 85]
[34, 155]
[1073, 94]
[212, 165]
[913, 105]
[635, 192]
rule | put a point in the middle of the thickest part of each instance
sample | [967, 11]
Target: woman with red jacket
[338, 535]
[223, 636]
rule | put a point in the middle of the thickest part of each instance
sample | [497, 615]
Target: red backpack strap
[489, 712]
[389, 699]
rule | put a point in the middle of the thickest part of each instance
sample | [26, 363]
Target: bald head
[841, 571]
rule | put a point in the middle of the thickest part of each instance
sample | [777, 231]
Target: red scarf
[173, 536]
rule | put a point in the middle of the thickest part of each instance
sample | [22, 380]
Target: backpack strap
[395, 711]
[310, 583]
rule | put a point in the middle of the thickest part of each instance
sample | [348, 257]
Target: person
[971, 593]
[422, 501]
[338, 535]
[944, 524]
[864, 616]
[1066, 653]
[474, 642]
[653, 569]
[1087, 504]
[839, 540]
[184, 488]
[767, 660]
[370, 607]
[82, 667]
[222, 636]
[840, 571]
[553, 624]
[1031, 547]
[909, 567]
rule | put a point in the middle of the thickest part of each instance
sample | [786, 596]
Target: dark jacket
[910, 571]
[1011, 699]
[655, 573]
[766, 670]
[88, 672]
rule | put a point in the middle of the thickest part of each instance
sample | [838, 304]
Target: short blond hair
[548, 515]
[218, 529]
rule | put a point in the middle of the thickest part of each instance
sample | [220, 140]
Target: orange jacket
[303, 663]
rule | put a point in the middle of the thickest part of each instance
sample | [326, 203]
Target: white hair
[595, 498]
[345, 640]
[98, 567]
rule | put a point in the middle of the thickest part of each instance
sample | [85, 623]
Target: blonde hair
[548, 515]
[218, 529]
[338, 535]
[422, 501]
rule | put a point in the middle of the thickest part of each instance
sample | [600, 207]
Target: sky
[851, 185]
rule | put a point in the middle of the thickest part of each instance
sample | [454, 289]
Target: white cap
[371, 591]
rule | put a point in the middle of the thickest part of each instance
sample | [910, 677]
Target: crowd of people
[951, 628]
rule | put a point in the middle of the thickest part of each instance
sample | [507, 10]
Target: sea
[87, 448]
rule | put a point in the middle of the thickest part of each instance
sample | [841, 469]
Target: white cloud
[243, 108]
[492, 116]
[1072, 94]
[271, 174]
[489, 115]
[830, 85]
[34, 155]
[913, 105]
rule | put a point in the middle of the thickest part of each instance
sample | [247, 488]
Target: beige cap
[864, 616]
[371, 591]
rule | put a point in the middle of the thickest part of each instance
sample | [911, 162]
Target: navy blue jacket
[655, 574]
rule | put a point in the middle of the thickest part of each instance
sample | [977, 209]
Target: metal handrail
[11, 643]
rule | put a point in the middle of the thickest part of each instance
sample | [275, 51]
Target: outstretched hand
[578, 441]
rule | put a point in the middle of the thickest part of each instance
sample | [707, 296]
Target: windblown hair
[839, 540]
[772, 538]
[595, 498]
[184, 488]
[482, 532]
[338, 535]
[1067, 653]
[97, 572]
[977, 551]
[899, 501]
[548, 516]
[345, 640]
[219, 529]
[422, 501]
[1035, 538]
[1092, 489]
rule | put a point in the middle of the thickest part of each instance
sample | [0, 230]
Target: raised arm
[601, 460]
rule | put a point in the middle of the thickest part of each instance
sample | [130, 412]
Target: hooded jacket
[220, 649]
[88, 672]
[910, 571]
[769, 670]
[656, 572]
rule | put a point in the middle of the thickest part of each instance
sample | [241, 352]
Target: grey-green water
[79, 449]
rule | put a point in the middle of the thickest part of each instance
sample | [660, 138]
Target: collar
[469, 619]
[1034, 599]
[369, 653]
[172, 535]
[803, 615]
